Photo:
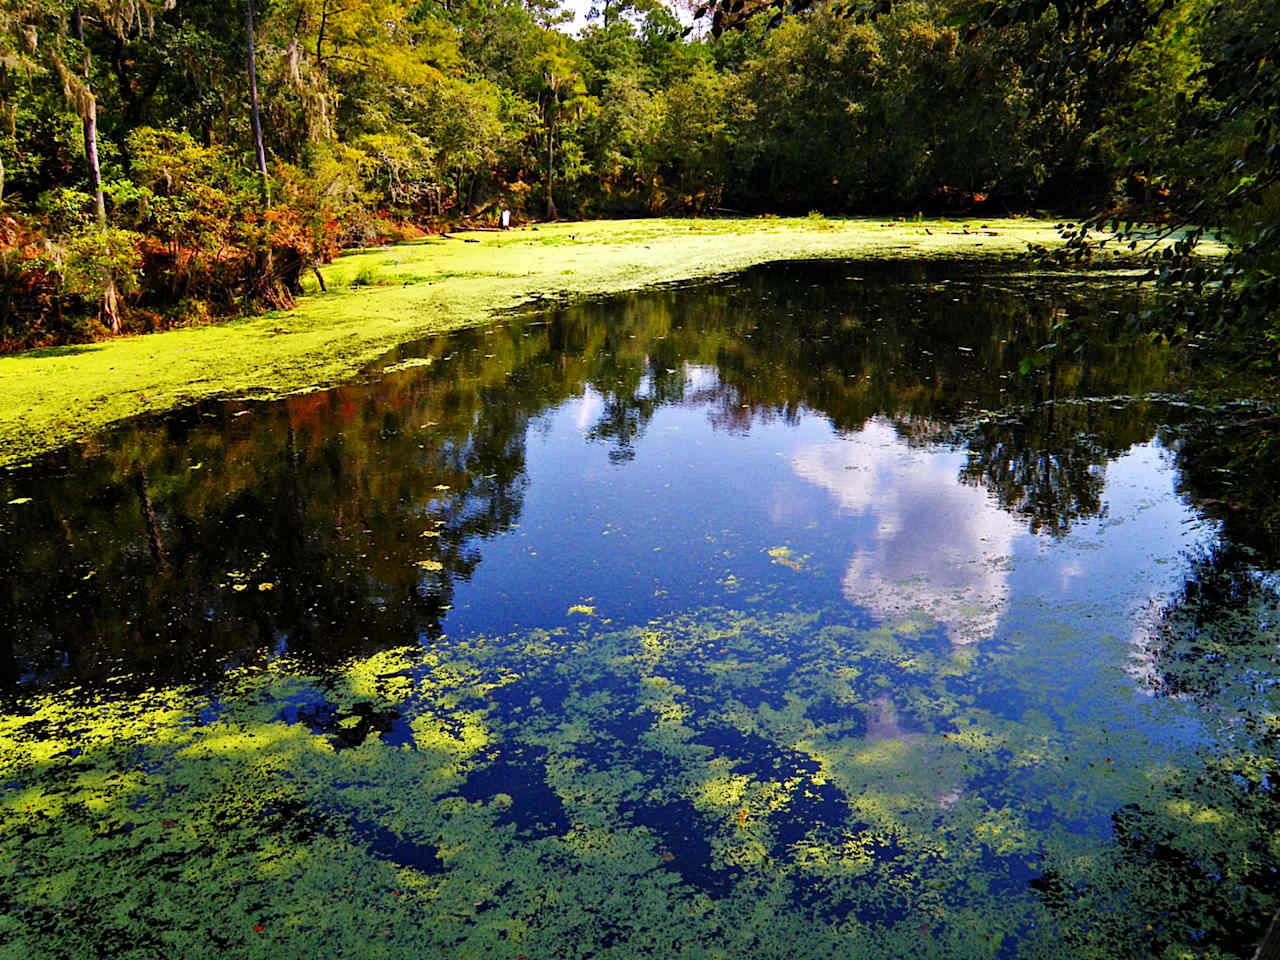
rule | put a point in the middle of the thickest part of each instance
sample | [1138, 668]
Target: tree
[116, 17]
[1225, 175]
[549, 13]
[255, 114]
[609, 12]
[17, 56]
[98, 266]
[562, 88]
[1217, 133]
[88, 104]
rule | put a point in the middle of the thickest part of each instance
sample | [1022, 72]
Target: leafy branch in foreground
[1225, 188]
[1224, 184]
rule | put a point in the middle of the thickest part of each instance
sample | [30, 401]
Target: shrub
[31, 305]
[366, 276]
[102, 266]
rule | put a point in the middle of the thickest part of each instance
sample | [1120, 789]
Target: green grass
[380, 298]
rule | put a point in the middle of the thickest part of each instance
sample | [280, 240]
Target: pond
[819, 611]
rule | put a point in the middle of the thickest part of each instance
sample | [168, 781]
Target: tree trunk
[255, 111]
[110, 307]
[551, 204]
[89, 115]
[324, 24]
[91, 148]
[149, 518]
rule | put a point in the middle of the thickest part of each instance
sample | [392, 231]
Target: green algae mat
[779, 616]
[382, 298]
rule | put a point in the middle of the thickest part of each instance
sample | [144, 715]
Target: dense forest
[164, 161]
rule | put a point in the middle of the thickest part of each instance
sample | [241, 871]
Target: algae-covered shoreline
[379, 299]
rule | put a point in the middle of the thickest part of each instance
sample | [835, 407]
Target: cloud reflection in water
[938, 547]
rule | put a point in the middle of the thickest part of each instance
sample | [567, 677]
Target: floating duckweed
[823, 790]
[786, 557]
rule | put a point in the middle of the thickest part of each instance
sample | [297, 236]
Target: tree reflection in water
[829, 751]
[338, 522]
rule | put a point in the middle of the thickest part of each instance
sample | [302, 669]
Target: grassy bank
[49, 398]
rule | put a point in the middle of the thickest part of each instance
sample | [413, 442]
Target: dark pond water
[818, 612]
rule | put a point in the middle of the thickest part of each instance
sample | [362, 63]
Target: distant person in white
[506, 219]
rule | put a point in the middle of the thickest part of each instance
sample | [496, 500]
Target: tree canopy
[136, 138]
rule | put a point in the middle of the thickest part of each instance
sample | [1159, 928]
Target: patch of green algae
[51, 397]
[721, 784]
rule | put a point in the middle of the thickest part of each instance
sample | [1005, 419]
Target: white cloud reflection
[938, 546]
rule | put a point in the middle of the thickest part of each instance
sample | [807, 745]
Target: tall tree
[562, 86]
[101, 264]
[117, 18]
[88, 105]
[255, 112]
[17, 57]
